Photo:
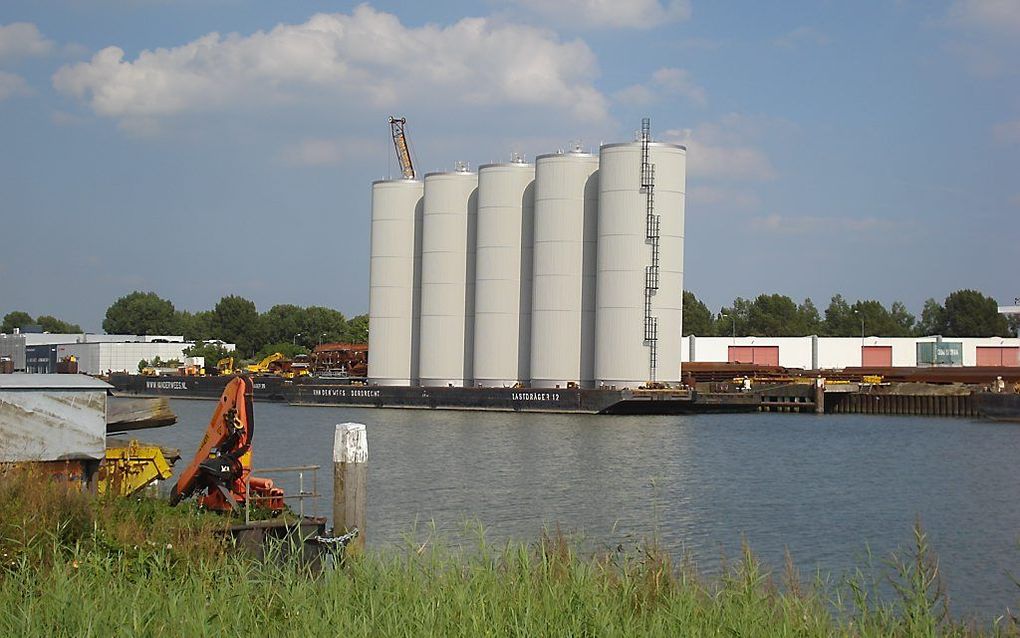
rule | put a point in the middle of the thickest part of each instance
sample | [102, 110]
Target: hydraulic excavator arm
[222, 463]
[401, 146]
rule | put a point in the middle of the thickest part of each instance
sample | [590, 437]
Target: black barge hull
[340, 392]
[185, 387]
[999, 406]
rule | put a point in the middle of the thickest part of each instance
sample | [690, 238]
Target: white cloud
[726, 149]
[1007, 132]
[667, 81]
[802, 35]
[634, 14]
[22, 39]
[636, 95]
[12, 85]
[367, 58]
[1001, 16]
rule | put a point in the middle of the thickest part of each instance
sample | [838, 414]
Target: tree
[283, 323]
[903, 322]
[197, 326]
[736, 319]
[357, 329]
[697, 318]
[16, 319]
[773, 316]
[933, 319]
[237, 321]
[140, 313]
[286, 348]
[1014, 324]
[839, 319]
[322, 325]
[971, 314]
[808, 317]
[56, 326]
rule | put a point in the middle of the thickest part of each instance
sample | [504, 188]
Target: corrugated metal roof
[21, 381]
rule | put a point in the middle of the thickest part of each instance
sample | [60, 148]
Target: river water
[827, 488]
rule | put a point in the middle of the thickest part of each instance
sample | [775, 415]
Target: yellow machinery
[400, 144]
[130, 468]
[263, 366]
[225, 365]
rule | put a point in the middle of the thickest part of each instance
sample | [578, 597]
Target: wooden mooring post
[350, 480]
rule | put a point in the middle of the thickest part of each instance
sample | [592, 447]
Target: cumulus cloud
[1001, 16]
[801, 36]
[633, 14]
[366, 57]
[1007, 132]
[725, 149]
[667, 81]
[22, 39]
[12, 85]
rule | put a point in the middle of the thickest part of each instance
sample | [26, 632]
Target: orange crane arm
[229, 435]
[401, 146]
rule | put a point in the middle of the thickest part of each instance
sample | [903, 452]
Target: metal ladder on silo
[652, 239]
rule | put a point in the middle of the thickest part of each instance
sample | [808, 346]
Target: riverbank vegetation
[72, 564]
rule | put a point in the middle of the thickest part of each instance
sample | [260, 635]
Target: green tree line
[964, 313]
[288, 328]
[19, 319]
[294, 329]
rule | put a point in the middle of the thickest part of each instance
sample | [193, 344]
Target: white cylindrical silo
[626, 259]
[394, 282]
[448, 279]
[563, 276]
[503, 256]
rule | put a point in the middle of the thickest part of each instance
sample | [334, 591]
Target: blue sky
[199, 148]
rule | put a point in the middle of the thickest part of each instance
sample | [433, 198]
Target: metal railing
[301, 494]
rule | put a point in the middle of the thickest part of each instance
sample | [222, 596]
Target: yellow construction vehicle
[265, 366]
[403, 149]
[225, 365]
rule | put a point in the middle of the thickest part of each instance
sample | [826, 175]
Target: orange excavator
[220, 471]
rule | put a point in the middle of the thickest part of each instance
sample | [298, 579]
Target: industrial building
[813, 353]
[95, 354]
[565, 272]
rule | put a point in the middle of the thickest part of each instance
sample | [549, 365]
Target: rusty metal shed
[52, 417]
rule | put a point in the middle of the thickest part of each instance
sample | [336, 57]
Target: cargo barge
[317, 391]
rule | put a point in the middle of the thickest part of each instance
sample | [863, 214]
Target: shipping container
[940, 353]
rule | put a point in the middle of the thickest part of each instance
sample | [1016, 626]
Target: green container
[940, 353]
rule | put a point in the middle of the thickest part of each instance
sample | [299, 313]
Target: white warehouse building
[813, 353]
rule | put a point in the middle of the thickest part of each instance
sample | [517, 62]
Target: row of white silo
[566, 271]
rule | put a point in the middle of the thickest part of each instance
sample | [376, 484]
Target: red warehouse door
[998, 356]
[761, 355]
[876, 356]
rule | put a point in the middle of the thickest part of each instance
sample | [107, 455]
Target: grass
[74, 565]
